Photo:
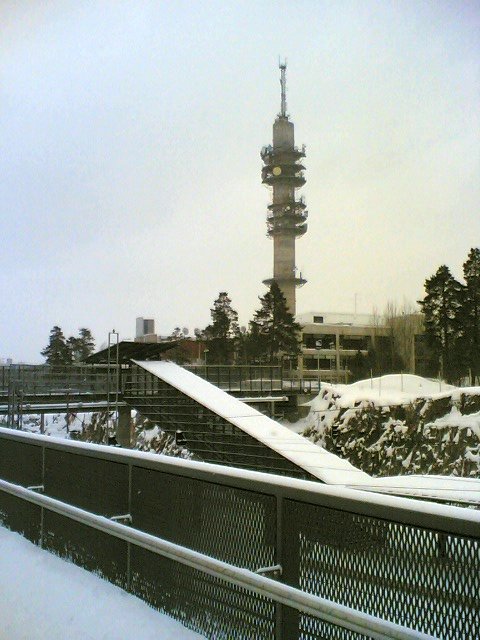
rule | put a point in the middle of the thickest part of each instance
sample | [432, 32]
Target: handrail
[443, 518]
[322, 608]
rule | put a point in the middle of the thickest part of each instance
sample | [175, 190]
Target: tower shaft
[287, 215]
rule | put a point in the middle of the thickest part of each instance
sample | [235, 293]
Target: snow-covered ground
[43, 597]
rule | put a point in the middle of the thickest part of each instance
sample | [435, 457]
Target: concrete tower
[286, 218]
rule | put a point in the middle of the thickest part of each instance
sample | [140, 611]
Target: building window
[355, 342]
[319, 340]
[314, 364]
[318, 319]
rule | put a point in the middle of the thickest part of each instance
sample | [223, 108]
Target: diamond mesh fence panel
[20, 516]
[201, 602]
[21, 463]
[416, 576]
[90, 483]
[87, 547]
[227, 523]
[412, 576]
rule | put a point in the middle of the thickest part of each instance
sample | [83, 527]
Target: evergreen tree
[359, 367]
[177, 334]
[222, 334]
[442, 308]
[274, 332]
[251, 347]
[181, 353]
[57, 352]
[83, 346]
[471, 311]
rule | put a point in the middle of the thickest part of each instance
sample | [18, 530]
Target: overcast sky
[130, 135]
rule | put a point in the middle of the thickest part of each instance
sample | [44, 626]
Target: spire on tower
[283, 83]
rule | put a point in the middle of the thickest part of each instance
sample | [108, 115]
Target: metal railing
[47, 380]
[260, 379]
[36, 388]
[321, 608]
[412, 564]
[44, 379]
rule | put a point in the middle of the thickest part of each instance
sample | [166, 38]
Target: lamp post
[318, 346]
[113, 341]
[205, 351]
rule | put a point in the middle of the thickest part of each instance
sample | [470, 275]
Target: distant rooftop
[128, 350]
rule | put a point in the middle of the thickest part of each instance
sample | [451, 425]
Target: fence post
[129, 570]
[42, 483]
[67, 426]
[288, 541]
[20, 410]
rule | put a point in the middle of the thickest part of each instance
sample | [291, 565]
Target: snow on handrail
[451, 519]
[322, 608]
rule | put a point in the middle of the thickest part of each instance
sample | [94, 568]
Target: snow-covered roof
[315, 460]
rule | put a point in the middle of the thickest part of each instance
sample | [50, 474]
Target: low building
[331, 343]
[331, 340]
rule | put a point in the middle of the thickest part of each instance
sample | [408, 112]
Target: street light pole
[205, 351]
[318, 346]
[113, 341]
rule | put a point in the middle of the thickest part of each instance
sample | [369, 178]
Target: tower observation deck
[287, 214]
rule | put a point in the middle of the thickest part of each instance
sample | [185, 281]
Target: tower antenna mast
[283, 83]
[287, 216]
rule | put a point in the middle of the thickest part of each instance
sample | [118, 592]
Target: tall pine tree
[82, 346]
[57, 352]
[442, 308]
[222, 334]
[277, 335]
[471, 311]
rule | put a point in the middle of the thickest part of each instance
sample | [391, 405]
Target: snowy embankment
[43, 597]
[399, 424]
[91, 427]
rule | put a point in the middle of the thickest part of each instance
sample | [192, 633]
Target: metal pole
[117, 381]
[280, 561]
[20, 411]
[129, 551]
[105, 438]
[68, 410]
[9, 407]
[112, 343]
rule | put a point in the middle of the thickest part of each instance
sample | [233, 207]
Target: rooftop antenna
[283, 83]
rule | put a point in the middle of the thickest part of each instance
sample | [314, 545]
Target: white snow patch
[458, 420]
[43, 597]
